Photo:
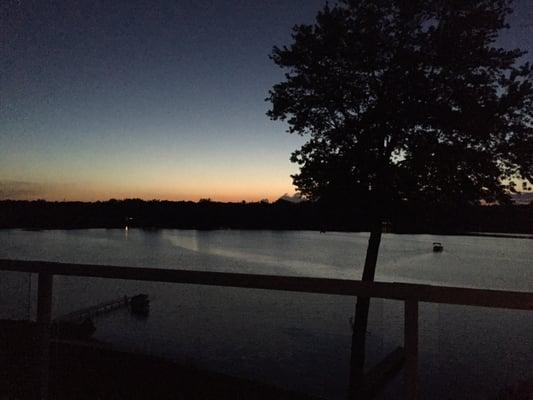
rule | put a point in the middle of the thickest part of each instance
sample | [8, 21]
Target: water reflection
[298, 341]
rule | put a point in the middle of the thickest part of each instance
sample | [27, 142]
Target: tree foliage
[407, 100]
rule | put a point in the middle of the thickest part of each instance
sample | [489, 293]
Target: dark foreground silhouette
[282, 215]
[89, 370]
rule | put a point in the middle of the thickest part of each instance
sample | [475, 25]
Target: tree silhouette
[405, 101]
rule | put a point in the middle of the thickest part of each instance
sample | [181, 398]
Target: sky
[156, 100]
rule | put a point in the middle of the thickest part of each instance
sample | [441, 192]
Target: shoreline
[504, 235]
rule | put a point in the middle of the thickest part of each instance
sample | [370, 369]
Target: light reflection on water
[300, 341]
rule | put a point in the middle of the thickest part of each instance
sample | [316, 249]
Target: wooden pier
[93, 311]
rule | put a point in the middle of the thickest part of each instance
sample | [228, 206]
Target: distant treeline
[40, 214]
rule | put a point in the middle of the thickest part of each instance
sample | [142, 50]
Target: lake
[298, 341]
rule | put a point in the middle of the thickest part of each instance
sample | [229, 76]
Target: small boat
[437, 247]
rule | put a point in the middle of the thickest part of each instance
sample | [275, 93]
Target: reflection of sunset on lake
[305, 199]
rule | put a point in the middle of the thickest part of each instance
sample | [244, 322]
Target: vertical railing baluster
[44, 317]
[411, 349]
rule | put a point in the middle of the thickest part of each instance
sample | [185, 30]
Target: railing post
[44, 317]
[411, 349]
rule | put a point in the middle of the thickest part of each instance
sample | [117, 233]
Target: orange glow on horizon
[104, 192]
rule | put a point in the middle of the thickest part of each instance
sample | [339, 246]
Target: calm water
[299, 341]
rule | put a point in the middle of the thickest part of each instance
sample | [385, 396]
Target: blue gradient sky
[160, 99]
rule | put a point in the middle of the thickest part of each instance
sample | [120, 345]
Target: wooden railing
[411, 294]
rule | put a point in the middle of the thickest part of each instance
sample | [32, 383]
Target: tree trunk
[357, 384]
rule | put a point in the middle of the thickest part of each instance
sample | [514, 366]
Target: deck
[410, 294]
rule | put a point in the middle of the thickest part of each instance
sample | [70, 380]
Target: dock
[90, 312]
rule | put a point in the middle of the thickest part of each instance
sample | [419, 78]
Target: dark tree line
[279, 215]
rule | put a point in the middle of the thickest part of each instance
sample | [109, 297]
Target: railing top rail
[384, 290]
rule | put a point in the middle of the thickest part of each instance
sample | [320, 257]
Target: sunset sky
[163, 99]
